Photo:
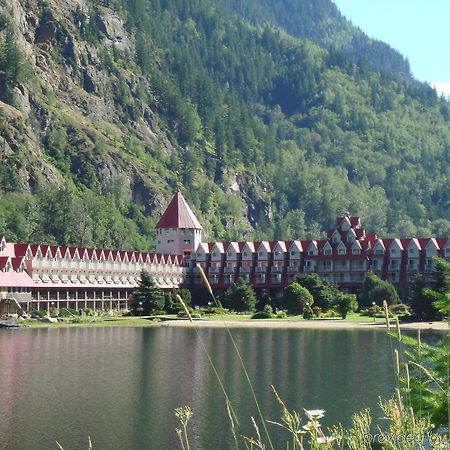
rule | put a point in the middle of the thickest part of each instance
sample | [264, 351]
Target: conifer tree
[147, 295]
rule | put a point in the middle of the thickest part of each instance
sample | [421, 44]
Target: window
[342, 251]
[412, 251]
[356, 251]
[336, 239]
[245, 253]
[293, 252]
[214, 254]
[311, 252]
[393, 251]
[379, 251]
[187, 241]
[327, 251]
[170, 241]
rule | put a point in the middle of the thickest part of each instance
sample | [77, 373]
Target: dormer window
[412, 251]
[245, 253]
[356, 251]
[342, 251]
[214, 254]
[379, 251]
[293, 252]
[327, 251]
[393, 251]
[350, 238]
[311, 252]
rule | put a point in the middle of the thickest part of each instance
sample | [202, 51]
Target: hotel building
[40, 276]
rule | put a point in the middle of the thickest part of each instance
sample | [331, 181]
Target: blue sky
[418, 29]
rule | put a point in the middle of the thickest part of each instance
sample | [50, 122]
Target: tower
[178, 232]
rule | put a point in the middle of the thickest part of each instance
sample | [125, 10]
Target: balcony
[277, 268]
[310, 269]
[322, 269]
[276, 278]
[261, 278]
[430, 266]
[412, 267]
[230, 269]
[260, 268]
[246, 269]
[293, 269]
[214, 269]
[360, 268]
[394, 266]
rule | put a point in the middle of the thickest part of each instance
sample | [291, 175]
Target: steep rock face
[75, 92]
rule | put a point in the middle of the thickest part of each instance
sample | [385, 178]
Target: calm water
[121, 385]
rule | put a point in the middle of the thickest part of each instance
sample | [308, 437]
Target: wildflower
[311, 426]
[315, 414]
[325, 439]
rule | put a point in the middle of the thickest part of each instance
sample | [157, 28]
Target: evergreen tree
[375, 290]
[322, 291]
[147, 295]
[240, 297]
[296, 298]
[421, 303]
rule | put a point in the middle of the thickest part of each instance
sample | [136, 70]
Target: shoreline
[336, 324]
[307, 324]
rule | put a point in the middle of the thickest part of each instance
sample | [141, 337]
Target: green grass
[93, 322]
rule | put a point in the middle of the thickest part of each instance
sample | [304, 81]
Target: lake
[121, 385]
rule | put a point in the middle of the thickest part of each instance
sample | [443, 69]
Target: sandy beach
[316, 324]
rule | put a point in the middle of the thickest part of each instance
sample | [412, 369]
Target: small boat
[9, 323]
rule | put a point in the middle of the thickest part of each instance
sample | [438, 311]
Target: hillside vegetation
[106, 108]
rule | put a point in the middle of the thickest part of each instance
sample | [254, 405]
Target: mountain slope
[107, 109]
[321, 22]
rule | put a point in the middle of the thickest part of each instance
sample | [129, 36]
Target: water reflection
[121, 385]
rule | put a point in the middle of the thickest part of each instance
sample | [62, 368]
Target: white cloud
[442, 88]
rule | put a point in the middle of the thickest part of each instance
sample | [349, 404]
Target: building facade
[40, 276]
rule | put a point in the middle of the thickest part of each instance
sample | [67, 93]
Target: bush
[317, 311]
[68, 312]
[281, 314]
[400, 310]
[262, 315]
[330, 314]
[307, 312]
[375, 311]
[212, 310]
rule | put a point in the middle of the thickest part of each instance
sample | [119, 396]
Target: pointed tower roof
[179, 215]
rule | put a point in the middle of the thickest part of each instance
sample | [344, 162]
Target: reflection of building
[84, 277]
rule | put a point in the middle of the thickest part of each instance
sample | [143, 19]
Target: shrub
[281, 314]
[262, 315]
[317, 311]
[375, 311]
[68, 312]
[330, 314]
[307, 312]
[400, 309]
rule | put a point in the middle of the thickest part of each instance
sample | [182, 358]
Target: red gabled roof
[179, 215]
[3, 261]
[16, 263]
[20, 249]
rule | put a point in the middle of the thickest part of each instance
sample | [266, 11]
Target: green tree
[322, 291]
[441, 276]
[240, 297]
[421, 303]
[344, 304]
[296, 298]
[375, 290]
[147, 295]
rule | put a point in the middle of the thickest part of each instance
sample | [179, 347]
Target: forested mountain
[321, 22]
[106, 108]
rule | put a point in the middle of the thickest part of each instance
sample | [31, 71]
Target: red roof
[179, 215]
